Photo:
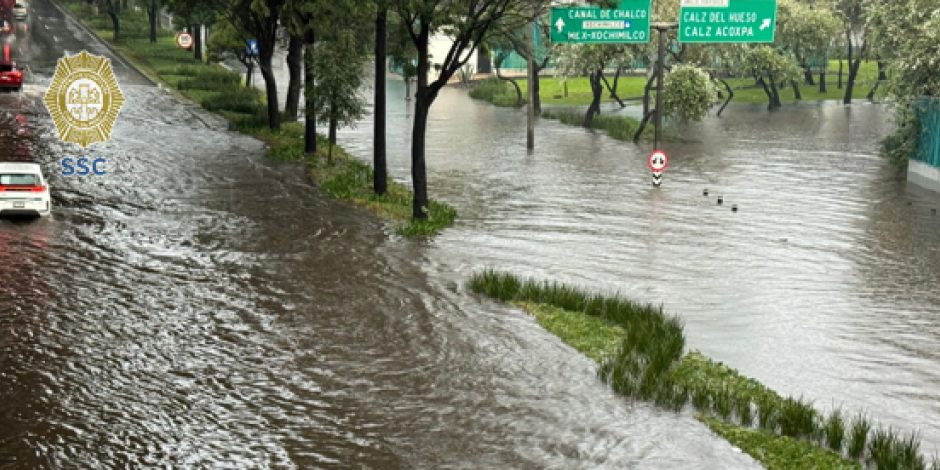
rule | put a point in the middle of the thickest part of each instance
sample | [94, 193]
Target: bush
[496, 91]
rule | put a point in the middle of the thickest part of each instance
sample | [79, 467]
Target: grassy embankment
[618, 127]
[579, 89]
[220, 90]
[641, 354]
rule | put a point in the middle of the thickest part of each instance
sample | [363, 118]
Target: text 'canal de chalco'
[615, 19]
[720, 24]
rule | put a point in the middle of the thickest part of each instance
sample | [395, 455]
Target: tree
[468, 23]
[575, 60]
[338, 80]
[195, 13]
[401, 51]
[852, 13]
[508, 41]
[295, 51]
[912, 32]
[111, 8]
[153, 9]
[806, 32]
[771, 69]
[689, 93]
[259, 19]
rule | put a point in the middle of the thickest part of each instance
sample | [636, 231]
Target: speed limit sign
[184, 40]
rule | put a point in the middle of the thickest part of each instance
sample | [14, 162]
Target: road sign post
[658, 161]
[630, 23]
[727, 21]
[251, 48]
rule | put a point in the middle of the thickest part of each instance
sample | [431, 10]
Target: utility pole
[660, 63]
[530, 129]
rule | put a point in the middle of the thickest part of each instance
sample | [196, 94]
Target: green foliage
[618, 127]
[779, 453]
[859, 436]
[339, 79]
[592, 336]
[834, 431]
[496, 91]
[765, 61]
[689, 93]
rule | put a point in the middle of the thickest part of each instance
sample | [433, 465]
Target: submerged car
[23, 190]
[11, 77]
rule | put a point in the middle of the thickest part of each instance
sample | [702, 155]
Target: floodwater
[825, 283]
[200, 306]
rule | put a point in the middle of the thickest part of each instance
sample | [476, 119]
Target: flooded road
[826, 283]
[200, 306]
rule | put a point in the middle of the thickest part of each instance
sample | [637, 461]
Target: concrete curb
[124, 61]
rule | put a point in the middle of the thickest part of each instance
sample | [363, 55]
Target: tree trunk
[380, 171]
[295, 52]
[597, 89]
[730, 95]
[647, 91]
[332, 134]
[770, 96]
[152, 16]
[419, 206]
[840, 74]
[514, 84]
[874, 89]
[850, 84]
[796, 90]
[310, 116]
[270, 88]
[822, 80]
[642, 126]
[114, 21]
[882, 66]
[776, 92]
[612, 89]
[197, 42]
[407, 89]
[808, 76]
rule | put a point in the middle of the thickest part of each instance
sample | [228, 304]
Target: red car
[11, 78]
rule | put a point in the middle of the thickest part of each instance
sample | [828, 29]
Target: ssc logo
[84, 99]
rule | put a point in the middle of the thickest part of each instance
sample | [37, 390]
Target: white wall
[438, 46]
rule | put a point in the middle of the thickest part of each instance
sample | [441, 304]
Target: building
[924, 166]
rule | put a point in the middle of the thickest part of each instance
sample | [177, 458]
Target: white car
[20, 9]
[23, 190]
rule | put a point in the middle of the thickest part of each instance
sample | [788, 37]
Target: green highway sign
[727, 21]
[630, 23]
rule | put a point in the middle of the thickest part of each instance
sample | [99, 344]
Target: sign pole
[660, 65]
[530, 129]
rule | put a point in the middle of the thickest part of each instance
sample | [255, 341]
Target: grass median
[553, 90]
[641, 354]
[221, 91]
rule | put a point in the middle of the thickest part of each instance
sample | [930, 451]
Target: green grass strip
[640, 352]
[221, 91]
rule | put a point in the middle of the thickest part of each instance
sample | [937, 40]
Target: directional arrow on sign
[560, 24]
[765, 24]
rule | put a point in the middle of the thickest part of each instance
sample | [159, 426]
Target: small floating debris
[734, 208]
[704, 192]
[721, 200]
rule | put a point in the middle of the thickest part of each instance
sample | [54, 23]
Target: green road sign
[630, 23]
[727, 21]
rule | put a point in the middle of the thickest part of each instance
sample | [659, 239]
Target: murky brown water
[826, 283]
[201, 306]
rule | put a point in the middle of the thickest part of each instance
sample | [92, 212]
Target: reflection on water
[825, 283]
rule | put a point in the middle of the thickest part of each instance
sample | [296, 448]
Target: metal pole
[530, 130]
[659, 88]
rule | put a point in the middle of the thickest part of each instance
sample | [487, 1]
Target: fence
[928, 146]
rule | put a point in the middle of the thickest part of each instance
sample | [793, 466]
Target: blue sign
[252, 47]
[83, 167]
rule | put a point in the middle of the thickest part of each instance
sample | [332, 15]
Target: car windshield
[19, 179]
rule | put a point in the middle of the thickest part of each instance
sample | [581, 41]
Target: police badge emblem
[84, 99]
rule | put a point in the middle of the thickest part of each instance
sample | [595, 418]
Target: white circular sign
[184, 40]
[658, 161]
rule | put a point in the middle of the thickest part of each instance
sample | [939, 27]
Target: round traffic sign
[184, 40]
[658, 161]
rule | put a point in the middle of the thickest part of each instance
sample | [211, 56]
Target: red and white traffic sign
[658, 161]
[184, 40]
